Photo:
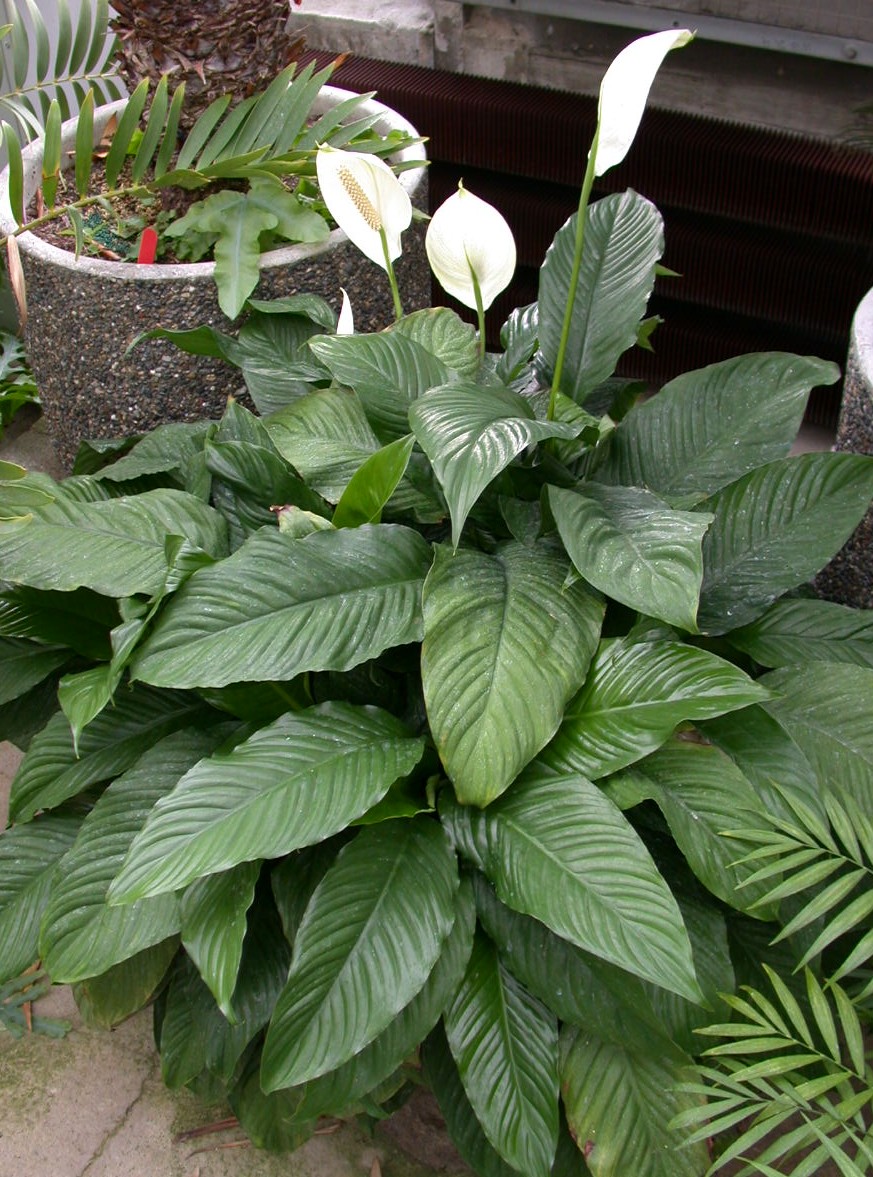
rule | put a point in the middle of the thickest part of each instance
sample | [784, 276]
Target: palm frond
[830, 866]
[807, 1102]
[36, 72]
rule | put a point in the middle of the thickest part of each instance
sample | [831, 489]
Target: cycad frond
[35, 72]
[806, 1102]
[830, 865]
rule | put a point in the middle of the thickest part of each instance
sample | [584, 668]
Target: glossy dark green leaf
[555, 847]
[629, 544]
[374, 928]
[106, 1001]
[51, 772]
[471, 433]
[465, 1130]
[280, 606]
[388, 371]
[624, 237]
[79, 619]
[338, 1090]
[445, 335]
[505, 1044]
[499, 630]
[774, 529]
[81, 935]
[213, 925]
[115, 547]
[326, 437]
[825, 709]
[708, 428]
[580, 988]
[619, 1105]
[797, 630]
[373, 484]
[293, 783]
[29, 856]
[635, 695]
[24, 664]
[703, 794]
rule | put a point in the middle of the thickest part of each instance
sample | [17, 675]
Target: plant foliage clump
[428, 722]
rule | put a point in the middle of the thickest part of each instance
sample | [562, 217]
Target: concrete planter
[83, 314]
[849, 577]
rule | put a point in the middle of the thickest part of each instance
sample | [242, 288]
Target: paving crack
[121, 1123]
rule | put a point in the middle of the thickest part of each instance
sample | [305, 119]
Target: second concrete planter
[84, 313]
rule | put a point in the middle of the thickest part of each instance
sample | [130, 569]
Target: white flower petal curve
[468, 236]
[625, 90]
[345, 324]
[363, 195]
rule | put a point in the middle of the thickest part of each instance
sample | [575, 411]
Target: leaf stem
[392, 277]
[480, 311]
[585, 193]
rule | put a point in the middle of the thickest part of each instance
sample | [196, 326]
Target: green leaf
[519, 337]
[500, 630]
[16, 173]
[373, 484]
[629, 544]
[702, 794]
[106, 1001]
[767, 756]
[270, 351]
[555, 847]
[624, 237]
[708, 428]
[84, 140]
[580, 988]
[505, 1043]
[51, 772]
[291, 784]
[635, 695]
[280, 606]
[213, 924]
[464, 1128]
[326, 437]
[445, 335]
[388, 371]
[24, 664]
[236, 220]
[194, 1035]
[471, 433]
[372, 932]
[619, 1105]
[81, 935]
[797, 630]
[29, 857]
[335, 1092]
[775, 528]
[115, 547]
[153, 132]
[825, 709]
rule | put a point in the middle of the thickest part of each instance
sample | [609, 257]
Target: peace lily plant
[421, 727]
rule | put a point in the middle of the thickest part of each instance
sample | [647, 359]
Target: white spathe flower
[364, 196]
[345, 324]
[624, 91]
[467, 237]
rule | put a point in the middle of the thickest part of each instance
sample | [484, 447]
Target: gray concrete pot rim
[30, 243]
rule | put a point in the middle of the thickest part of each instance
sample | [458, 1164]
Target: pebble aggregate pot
[84, 313]
[849, 577]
